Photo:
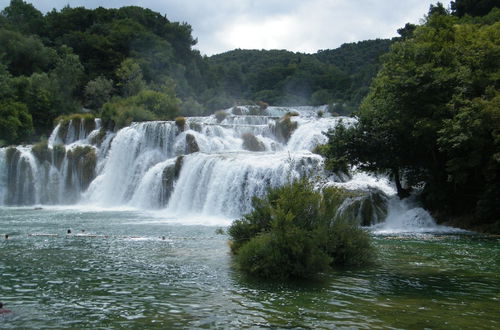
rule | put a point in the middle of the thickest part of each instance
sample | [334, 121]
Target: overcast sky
[296, 25]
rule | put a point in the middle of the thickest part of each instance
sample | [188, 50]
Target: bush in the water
[294, 233]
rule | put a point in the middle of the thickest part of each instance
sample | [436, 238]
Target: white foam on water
[404, 216]
[364, 181]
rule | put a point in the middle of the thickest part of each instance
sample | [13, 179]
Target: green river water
[135, 279]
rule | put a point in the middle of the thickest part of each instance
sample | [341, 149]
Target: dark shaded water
[133, 278]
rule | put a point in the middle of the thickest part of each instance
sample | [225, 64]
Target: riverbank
[468, 222]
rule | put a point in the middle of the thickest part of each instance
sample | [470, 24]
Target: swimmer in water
[3, 310]
[6, 236]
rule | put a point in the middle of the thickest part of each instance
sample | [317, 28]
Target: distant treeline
[134, 64]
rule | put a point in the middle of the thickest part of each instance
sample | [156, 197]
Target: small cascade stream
[210, 166]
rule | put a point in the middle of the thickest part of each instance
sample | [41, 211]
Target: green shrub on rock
[180, 122]
[75, 120]
[41, 151]
[220, 115]
[294, 233]
[82, 160]
[58, 152]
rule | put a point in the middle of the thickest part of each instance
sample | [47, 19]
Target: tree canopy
[432, 117]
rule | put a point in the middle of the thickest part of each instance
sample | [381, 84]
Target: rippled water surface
[121, 273]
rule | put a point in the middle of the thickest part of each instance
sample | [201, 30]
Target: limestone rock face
[191, 144]
[251, 143]
[285, 128]
[366, 207]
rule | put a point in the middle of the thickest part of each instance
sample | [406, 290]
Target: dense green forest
[432, 116]
[134, 64]
[340, 76]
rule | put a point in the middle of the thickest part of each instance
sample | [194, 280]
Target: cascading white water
[310, 133]
[76, 131]
[224, 183]
[209, 166]
[133, 152]
[133, 171]
[408, 217]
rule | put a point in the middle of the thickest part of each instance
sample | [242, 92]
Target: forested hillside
[340, 76]
[134, 64]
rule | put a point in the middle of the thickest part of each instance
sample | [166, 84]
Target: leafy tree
[191, 107]
[67, 76]
[48, 95]
[119, 114]
[24, 17]
[25, 54]
[163, 104]
[145, 106]
[98, 92]
[15, 122]
[5, 82]
[130, 79]
[430, 116]
[407, 31]
[36, 92]
[473, 7]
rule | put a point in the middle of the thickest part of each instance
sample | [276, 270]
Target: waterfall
[210, 165]
[225, 183]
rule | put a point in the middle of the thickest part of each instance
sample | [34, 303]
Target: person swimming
[6, 236]
[3, 310]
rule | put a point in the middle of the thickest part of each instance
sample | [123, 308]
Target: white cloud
[306, 26]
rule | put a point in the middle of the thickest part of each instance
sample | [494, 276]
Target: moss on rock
[75, 120]
[366, 207]
[58, 154]
[41, 151]
[220, 115]
[180, 122]
[83, 160]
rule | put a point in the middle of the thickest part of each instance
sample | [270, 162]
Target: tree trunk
[402, 193]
